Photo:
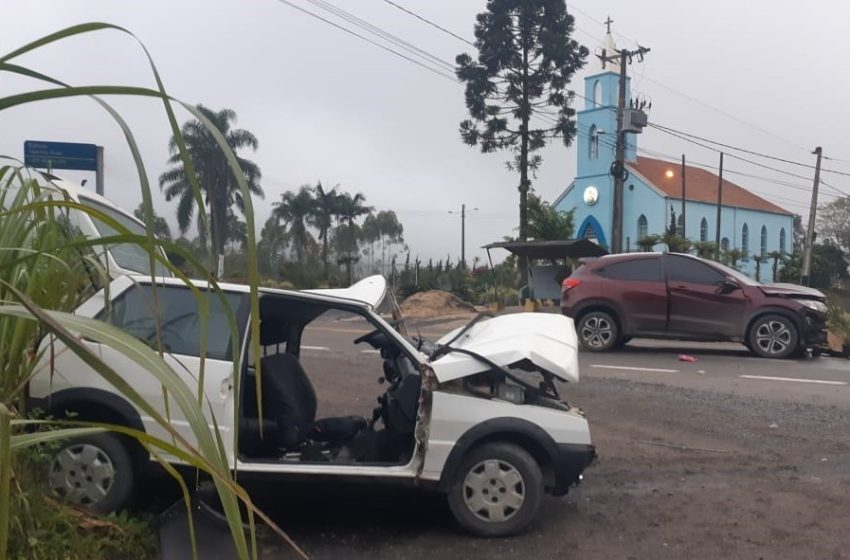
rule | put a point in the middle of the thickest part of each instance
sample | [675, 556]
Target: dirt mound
[434, 303]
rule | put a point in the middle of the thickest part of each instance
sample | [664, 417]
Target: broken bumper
[814, 330]
[568, 464]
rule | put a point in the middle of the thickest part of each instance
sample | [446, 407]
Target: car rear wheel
[597, 331]
[95, 472]
[773, 336]
[497, 490]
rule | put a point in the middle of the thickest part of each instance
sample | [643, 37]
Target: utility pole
[463, 235]
[719, 207]
[810, 227]
[462, 232]
[618, 169]
[684, 223]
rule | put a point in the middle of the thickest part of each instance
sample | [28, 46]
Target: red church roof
[700, 185]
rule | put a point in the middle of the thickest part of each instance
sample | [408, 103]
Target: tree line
[314, 235]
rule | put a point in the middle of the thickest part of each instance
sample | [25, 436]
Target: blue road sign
[60, 155]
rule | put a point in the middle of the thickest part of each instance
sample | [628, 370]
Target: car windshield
[737, 275]
[129, 256]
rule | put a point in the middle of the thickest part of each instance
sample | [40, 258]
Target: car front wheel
[497, 490]
[773, 336]
[597, 331]
[95, 472]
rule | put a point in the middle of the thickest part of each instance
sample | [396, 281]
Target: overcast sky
[763, 74]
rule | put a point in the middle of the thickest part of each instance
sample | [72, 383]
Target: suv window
[179, 319]
[683, 269]
[638, 270]
[129, 256]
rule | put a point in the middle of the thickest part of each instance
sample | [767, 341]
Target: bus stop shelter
[544, 280]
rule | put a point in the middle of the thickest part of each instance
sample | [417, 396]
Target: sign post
[66, 155]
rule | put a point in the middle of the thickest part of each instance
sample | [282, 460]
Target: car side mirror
[728, 286]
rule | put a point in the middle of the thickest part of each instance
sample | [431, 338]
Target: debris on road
[687, 358]
[434, 303]
[681, 447]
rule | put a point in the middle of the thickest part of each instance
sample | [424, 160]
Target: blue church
[652, 187]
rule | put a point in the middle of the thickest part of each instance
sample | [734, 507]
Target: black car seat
[289, 404]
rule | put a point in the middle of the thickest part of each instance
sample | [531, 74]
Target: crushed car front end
[498, 380]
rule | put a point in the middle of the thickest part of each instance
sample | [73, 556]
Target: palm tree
[160, 225]
[349, 208]
[271, 247]
[295, 209]
[325, 208]
[648, 242]
[758, 260]
[776, 256]
[705, 249]
[218, 185]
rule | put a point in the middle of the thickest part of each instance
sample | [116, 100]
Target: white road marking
[370, 351]
[318, 348]
[630, 368]
[793, 379]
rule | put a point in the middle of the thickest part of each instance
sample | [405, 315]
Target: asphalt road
[730, 456]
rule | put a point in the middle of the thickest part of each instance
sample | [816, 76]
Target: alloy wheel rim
[596, 331]
[773, 337]
[82, 474]
[494, 490]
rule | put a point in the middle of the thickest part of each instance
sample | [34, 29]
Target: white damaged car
[476, 415]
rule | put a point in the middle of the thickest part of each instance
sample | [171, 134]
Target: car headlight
[813, 304]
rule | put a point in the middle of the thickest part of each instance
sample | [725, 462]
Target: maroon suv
[672, 295]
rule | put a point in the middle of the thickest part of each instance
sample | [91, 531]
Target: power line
[375, 43]
[687, 96]
[677, 159]
[752, 152]
[429, 22]
[692, 141]
[383, 34]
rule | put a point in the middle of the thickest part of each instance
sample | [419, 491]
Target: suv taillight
[570, 283]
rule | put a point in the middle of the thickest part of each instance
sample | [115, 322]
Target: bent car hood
[548, 340]
[791, 290]
[370, 290]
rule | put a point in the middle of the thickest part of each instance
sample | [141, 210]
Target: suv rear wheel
[597, 331]
[497, 490]
[773, 336]
[95, 472]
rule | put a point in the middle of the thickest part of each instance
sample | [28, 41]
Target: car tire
[597, 331]
[773, 336]
[94, 472]
[497, 490]
[622, 341]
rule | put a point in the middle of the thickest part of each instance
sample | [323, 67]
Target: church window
[745, 240]
[724, 244]
[782, 240]
[594, 142]
[703, 230]
[597, 93]
[680, 226]
[763, 240]
[643, 227]
[589, 233]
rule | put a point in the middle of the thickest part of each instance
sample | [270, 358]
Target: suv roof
[368, 292]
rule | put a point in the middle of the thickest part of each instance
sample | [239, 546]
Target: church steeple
[606, 49]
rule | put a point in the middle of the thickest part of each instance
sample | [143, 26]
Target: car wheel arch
[96, 405]
[762, 311]
[525, 434]
[605, 306]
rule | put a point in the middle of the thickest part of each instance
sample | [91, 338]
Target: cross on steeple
[608, 23]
